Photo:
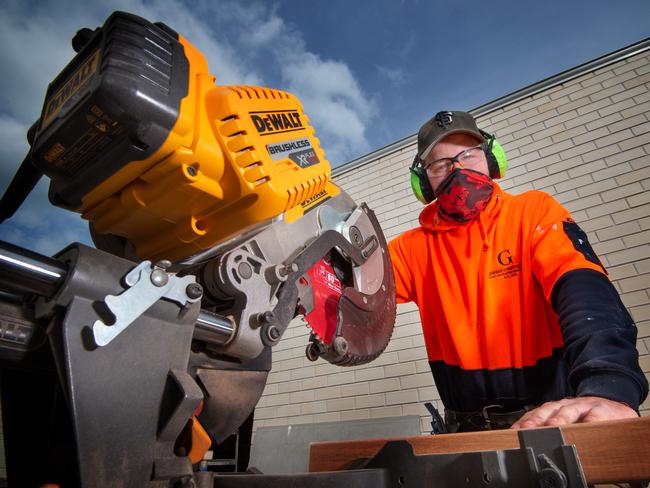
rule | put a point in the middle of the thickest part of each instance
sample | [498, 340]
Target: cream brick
[624, 156]
[556, 148]
[315, 382]
[635, 283]
[401, 397]
[290, 386]
[399, 369]
[339, 404]
[607, 247]
[636, 108]
[582, 136]
[629, 93]
[641, 129]
[601, 153]
[593, 106]
[631, 214]
[629, 255]
[412, 354]
[583, 169]
[643, 329]
[639, 140]
[623, 191]
[423, 366]
[611, 172]
[368, 401]
[614, 138]
[416, 409]
[643, 266]
[416, 380]
[313, 407]
[266, 413]
[340, 378]
[327, 417]
[368, 374]
[584, 203]
[386, 358]
[591, 225]
[327, 393]
[354, 389]
[274, 400]
[618, 79]
[604, 121]
[564, 197]
[570, 108]
[428, 394]
[620, 272]
[302, 396]
[388, 384]
[637, 239]
[618, 230]
[617, 107]
[358, 414]
[574, 183]
[288, 410]
[610, 91]
[586, 91]
[394, 411]
[644, 363]
[639, 199]
[635, 298]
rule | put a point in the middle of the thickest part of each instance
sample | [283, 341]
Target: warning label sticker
[300, 151]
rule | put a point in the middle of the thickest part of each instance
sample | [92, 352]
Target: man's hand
[573, 411]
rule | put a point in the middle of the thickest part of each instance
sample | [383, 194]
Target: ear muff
[495, 155]
[420, 182]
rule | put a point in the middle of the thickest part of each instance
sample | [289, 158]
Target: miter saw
[216, 223]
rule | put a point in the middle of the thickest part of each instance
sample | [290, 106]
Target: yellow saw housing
[235, 157]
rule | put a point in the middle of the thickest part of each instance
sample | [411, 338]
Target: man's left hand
[573, 411]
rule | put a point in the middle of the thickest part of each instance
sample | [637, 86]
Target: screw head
[194, 291]
[267, 317]
[159, 277]
[340, 345]
[355, 235]
[273, 333]
[163, 264]
[245, 270]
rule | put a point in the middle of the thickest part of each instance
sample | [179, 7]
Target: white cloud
[395, 75]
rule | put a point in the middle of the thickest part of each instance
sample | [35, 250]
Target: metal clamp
[146, 284]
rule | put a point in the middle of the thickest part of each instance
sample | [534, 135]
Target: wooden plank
[610, 452]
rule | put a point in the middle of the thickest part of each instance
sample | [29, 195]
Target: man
[521, 324]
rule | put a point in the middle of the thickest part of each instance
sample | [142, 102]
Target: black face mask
[463, 194]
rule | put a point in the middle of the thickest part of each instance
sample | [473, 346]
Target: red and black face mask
[463, 194]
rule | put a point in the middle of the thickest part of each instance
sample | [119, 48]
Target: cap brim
[478, 135]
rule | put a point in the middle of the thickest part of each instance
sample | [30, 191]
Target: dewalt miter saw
[216, 223]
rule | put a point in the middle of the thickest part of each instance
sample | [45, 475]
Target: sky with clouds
[367, 72]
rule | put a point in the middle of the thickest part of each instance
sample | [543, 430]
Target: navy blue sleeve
[599, 338]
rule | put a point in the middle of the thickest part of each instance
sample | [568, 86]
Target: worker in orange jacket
[521, 324]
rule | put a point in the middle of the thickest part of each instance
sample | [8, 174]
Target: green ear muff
[420, 182]
[500, 157]
[496, 156]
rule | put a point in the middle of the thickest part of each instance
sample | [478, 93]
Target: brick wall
[586, 142]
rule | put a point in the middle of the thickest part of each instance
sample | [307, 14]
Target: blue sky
[367, 72]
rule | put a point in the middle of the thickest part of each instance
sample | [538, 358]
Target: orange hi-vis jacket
[485, 294]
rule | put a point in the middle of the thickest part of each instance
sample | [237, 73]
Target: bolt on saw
[216, 223]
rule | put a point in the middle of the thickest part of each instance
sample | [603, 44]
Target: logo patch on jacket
[508, 267]
[579, 240]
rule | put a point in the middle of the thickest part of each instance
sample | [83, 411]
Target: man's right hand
[573, 411]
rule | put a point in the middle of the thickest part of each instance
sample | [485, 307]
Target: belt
[492, 417]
